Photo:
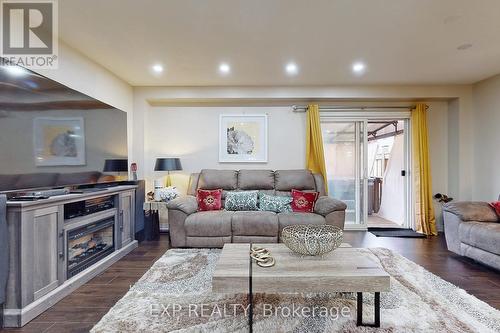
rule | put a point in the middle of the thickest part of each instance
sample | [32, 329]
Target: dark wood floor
[81, 310]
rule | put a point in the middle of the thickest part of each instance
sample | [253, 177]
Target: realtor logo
[29, 33]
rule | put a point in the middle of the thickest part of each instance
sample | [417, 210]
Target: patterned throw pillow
[274, 203]
[245, 200]
[496, 206]
[209, 199]
[303, 201]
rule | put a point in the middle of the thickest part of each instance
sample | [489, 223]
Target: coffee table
[346, 269]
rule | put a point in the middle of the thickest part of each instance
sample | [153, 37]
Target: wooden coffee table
[346, 269]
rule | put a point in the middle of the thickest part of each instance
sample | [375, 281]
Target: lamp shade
[168, 164]
[116, 165]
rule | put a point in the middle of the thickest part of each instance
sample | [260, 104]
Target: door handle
[403, 173]
[121, 220]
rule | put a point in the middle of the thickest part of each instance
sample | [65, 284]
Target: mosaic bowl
[312, 240]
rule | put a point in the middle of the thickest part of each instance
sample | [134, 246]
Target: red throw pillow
[303, 201]
[209, 199]
[496, 206]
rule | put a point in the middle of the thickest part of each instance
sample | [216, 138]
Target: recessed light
[15, 70]
[157, 68]
[292, 68]
[224, 68]
[464, 46]
[358, 67]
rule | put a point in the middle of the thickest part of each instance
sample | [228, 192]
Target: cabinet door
[45, 253]
[127, 213]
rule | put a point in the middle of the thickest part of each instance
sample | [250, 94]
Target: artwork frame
[54, 147]
[249, 133]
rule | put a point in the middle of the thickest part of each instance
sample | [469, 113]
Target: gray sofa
[191, 228]
[472, 229]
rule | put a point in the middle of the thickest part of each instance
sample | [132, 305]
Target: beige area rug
[175, 295]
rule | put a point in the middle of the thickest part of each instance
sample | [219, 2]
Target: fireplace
[88, 244]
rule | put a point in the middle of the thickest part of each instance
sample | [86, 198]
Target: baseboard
[20, 317]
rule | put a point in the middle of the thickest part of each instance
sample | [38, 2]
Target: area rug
[395, 232]
[175, 296]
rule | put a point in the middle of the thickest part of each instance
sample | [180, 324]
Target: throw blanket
[4, 248]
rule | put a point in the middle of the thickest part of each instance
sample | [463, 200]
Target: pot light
[358, 67]
[292, 68]
[157, 68]
[224, 68]
[15, 70]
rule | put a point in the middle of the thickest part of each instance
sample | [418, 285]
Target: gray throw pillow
[274, 203]
[245, 200]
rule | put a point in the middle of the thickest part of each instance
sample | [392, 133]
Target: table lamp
[168, 164]
[116, 165]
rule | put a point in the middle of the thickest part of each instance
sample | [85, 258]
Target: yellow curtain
[315, 157]
[425, 219]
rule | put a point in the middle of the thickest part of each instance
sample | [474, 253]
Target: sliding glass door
[344, 145]
[367, 163]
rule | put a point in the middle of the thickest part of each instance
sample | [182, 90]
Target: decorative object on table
[243, 138]
[443, 198]
[166, 194]
[275, 203]
[262, 256]
[241, 201]
[168, 164]
[303, 202]
[151, 196]
[117, 165]
[59, 141]
[312, 240]
[209, 199]
[133, 168]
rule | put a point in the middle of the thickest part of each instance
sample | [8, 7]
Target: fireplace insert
[89, 244]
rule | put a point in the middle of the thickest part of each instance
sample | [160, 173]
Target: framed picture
[243, 138]
[59, 141]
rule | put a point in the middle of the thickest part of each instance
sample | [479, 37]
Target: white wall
[486, 96]
[192, 133]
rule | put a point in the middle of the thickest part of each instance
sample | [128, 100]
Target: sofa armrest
[471, 211]
[186, 204]
[326, 205]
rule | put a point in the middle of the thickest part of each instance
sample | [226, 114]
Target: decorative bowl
[312, 240]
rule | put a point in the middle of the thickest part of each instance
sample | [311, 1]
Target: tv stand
[46, 264]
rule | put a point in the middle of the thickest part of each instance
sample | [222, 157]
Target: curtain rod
[297, 108]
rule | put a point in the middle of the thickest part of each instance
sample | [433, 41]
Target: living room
[379, 116]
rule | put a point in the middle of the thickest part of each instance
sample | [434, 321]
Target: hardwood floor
[81, 310]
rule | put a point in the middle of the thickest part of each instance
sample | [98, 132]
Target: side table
[152, 219]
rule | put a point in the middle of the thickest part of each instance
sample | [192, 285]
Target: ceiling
[401, 41]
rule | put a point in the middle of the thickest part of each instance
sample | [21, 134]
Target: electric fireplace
[88, 244]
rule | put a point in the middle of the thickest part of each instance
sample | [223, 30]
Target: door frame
[365, 117]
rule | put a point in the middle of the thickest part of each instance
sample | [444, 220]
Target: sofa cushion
[34, 180]
[8, 182]
[241, 200]
[286, 180]
[274, 203]
[209, 224]
[256, 180]
[286, 219]
[214, 179]
[254, 224]
[483, 235]
[496, 206]
[89, 177]
[472, 211]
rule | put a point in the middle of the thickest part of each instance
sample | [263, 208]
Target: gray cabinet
[126, 217]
